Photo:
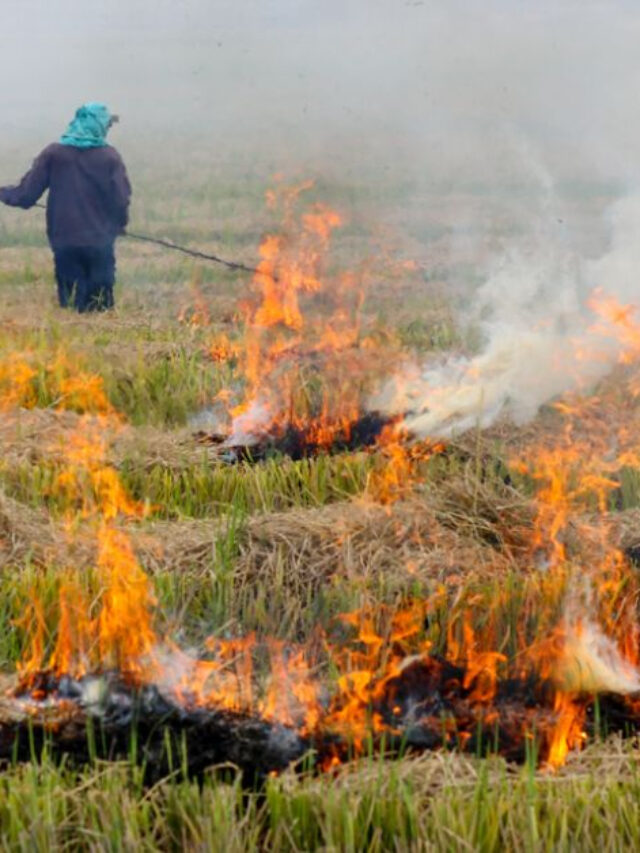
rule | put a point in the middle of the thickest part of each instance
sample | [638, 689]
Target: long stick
[233, 265]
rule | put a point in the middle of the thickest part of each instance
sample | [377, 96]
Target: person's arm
[35, 182]
[120, 193]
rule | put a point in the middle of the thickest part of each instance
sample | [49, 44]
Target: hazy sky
[445, 86]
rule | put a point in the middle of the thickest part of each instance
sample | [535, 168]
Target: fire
[120, 635]
[388, 671]
[450, 667]
[305, 360]
[617, 321]
[72, 651]
[17, 382]
[127, 602]
[576, 478]
[221, 349]
[23, 381]
[403, 466]
[567, 732]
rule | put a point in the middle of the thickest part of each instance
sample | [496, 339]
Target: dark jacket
[89, 192]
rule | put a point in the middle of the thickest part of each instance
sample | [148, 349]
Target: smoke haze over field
[516, 96]
[446, 87]
[551, 322]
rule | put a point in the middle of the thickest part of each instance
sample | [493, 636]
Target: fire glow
[399, 676]
[308, 361]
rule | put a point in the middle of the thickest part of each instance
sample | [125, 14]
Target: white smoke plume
[591, 663]
[540, 337]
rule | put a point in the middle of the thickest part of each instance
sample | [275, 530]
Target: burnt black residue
[429, 704]
[632, 553]
[301, 442]
[106, 716]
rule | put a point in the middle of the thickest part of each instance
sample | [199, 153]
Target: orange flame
[584, 577]
[305, 362]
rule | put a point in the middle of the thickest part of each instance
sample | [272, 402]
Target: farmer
[87, 207]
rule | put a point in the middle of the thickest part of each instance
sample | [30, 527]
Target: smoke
[540, 331]
[591, 663]
[428, 89]
[514, 118]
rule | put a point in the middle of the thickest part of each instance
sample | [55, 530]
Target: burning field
[294, 541]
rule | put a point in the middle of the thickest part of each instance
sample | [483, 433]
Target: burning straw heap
[308, 362]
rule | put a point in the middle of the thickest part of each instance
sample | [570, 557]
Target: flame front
[307, 368]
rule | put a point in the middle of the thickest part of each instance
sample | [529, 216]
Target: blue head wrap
[89, 127]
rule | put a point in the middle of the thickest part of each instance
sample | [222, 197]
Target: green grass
[432, 804]
[163, 391]
[206, 489]
[149, 381]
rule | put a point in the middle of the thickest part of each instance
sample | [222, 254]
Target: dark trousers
[85, 276]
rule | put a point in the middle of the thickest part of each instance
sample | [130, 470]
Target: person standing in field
[87, 207]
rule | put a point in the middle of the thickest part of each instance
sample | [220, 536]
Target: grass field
[283, 547]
